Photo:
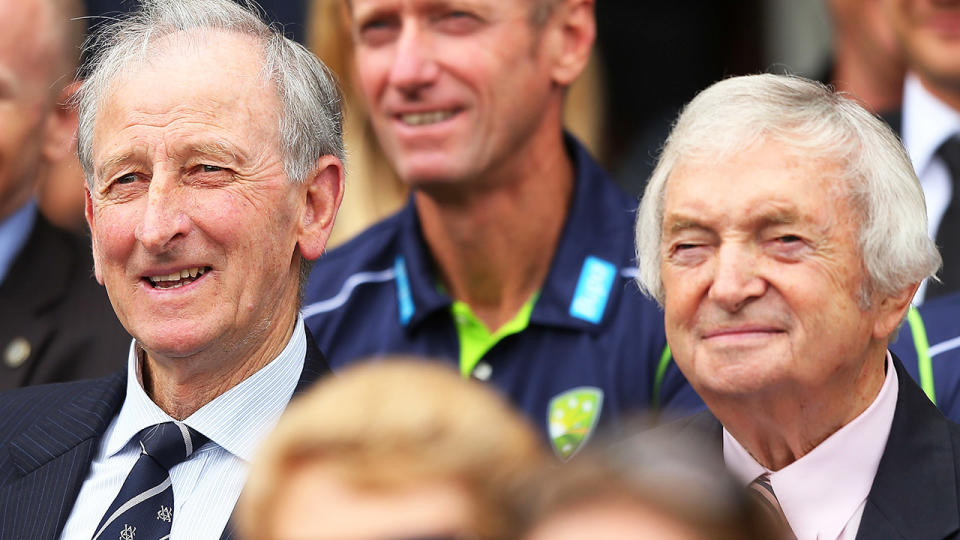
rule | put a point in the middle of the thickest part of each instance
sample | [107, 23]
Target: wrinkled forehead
[771, 182]
[215, 77]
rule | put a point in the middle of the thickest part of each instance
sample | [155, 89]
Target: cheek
[113, 232]
[682, 289]
[371, 72]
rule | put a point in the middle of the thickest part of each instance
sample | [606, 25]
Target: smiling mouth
[425, 118]
[175, 280]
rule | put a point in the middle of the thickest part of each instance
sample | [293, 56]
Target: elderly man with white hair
[212, 149]
[784, 232]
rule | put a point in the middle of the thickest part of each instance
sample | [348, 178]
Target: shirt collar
[14, 231]
[236, 420]
[598, 229]
[821, 491]
[927, 122]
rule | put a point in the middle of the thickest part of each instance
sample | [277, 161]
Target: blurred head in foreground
[662, 485]
[390, 450]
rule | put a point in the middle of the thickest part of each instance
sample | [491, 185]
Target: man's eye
[458, 22]
[788, 239]
[210, 168]
[128, 178]
[379, 31]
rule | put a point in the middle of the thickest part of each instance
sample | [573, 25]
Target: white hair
[310, 119]
[817, 123]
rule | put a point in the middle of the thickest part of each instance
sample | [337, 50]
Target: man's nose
[164, 219]
[736, 280]
[414, 65]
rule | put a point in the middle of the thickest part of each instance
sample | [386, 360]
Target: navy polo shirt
[940, 325]
[591, 328]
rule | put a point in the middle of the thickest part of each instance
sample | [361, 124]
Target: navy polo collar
[582, 286]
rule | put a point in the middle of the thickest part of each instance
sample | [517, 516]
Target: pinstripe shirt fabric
[207, 485]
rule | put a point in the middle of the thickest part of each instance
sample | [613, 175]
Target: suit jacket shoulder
[48, 437]
[49, 434]
[50, 302]
[915, 492]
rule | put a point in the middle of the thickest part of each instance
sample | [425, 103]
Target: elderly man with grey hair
[212, 149]
[784, 233]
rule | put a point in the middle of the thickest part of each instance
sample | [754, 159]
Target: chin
[180, 341]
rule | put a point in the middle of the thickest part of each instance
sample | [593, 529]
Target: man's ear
[891, 310]
[573, 30]
[88, 214]
[60, 131]
[324, 191]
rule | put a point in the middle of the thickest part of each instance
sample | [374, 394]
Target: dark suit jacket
[916, 492]
[48, 436]
[50, 299]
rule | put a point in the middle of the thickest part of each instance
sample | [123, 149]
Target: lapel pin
[17, 352]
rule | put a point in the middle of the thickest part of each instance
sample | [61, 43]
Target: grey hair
[817, 123]
[310, 119]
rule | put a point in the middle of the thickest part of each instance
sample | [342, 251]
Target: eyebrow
[778, 216]
[218, 149]
[114, 162]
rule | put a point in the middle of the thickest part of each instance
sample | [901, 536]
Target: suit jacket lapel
[53, 456]
[914, 494]
[315, 366]
[36, 281]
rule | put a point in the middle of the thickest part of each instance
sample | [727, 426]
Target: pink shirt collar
[824, 492]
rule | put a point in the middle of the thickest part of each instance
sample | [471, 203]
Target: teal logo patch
[404, 297]
[571, 418]
[593, 289]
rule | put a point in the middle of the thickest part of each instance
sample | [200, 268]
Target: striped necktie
[761, 491]
[144, 506]
[948, 233]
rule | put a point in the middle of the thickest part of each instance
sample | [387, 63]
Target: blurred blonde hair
[399, 423]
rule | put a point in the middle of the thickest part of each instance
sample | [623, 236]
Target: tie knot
[762, 491]
[170, 443]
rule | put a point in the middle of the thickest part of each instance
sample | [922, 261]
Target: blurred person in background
[375, 190]
[929, 123]
[784, 233]
[401, 449]
[867, 61]
[512, 259]
[928, 31]
[56, 323]
[658, 485]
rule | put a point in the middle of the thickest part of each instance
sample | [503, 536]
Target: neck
[493, 243]
[181, 386]
[778, 426]
[873, 79]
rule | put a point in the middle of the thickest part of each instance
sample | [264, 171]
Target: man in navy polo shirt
[514, 257]
[929, 346]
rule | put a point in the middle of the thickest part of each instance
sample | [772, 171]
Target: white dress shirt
[927, 123]
[205, 486]
[823, 493]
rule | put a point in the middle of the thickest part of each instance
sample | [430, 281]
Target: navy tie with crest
[144, 506]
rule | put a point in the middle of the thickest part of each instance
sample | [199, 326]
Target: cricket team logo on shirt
[571, 418]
